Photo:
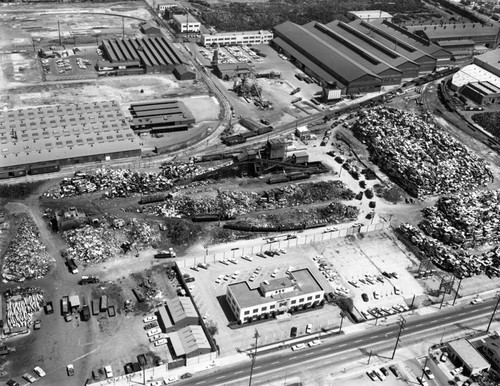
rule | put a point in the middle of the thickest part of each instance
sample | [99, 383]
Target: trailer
[44, 168]
[85, 314]
[95, 307]
[64, 306]
[103, 303]
[165, 254]
[111, 311]
[89, 280]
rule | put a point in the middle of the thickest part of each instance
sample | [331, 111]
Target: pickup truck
[73, 268]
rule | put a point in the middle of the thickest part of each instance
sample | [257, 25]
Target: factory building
[186, 23]
[408, 68]
[321, 58]
[159, 116]
[154, 54]
[411, 46]
[228, 71]
[482, 93]
[460, 49]
[42, 139]
[472, 74]
[490, 61]
[369, 15]
[232, 38]
[480, 34]
[299, 290]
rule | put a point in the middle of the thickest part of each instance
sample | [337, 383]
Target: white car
[154, 331]
[232, 260]
[224, 262]
[299, 346]
[219, 279]
[309, 328]
[150, 318]
[253, 277]
[108, 371]
[314, 342]
[235, 274]
[39, 371]
[246, 257]
[154, 338]
[30, 378]
[160, 342]
[275, 272]
[476, 301]
[428, 372]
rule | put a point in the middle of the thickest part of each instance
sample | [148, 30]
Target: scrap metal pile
[457, 261]
[92, 245]
[418, 155]
[230, 203]
[21, 304]
[466, 220]
[26, 257]
[141, 235]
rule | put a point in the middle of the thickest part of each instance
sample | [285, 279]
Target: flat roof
[454, 31]
[57, 132]
[304, 283]
[233, 66]
[184, 18]
[326, 56]
[180, 308]
[239, 33]
[300, 153]
[468, 354]
[484, 88]
[457, 42]
[473, 74]
[371, 14]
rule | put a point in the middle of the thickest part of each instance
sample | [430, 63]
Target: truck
[64, 306]
[89, 280]
[95, 307]
[104, 303]
[295, 91]
[165, 254]
[111, 311]
[73, 268]
[85, 313]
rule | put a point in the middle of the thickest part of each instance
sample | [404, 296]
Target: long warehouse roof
[454, 31]
[346, 45]
[326, 56]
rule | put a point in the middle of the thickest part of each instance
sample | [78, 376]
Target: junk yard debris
[417, 155]
[21, 304]
[26, 257]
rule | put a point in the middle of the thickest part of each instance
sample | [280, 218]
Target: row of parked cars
[382, 373]
[154, 332]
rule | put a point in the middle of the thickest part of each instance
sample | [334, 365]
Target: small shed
[182, 73]
[303, 133]
[300, 157]
[74, 301]
[149, 28]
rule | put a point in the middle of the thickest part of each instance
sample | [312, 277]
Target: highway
[383, 336]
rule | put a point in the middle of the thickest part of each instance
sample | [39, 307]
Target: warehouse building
[322, 60]
[228, 71]
[413, 47]
[478, 33]
[190, 344]
[472, 74]
[41, 139]
[408, 68]
[460, 49]
[299, 290]
[369, 15]
[463, 353]
[490, 61]
[482, 93]
[154, 54]
[150, 28]
[232, 38]
[178, 313]
[70, 218]
[159, 116]
[186, 23]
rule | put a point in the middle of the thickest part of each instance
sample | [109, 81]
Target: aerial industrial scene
[268, 192]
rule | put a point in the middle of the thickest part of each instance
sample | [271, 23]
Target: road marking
[222, 376]
[356, 341]
[199, 383]
[239, 372]
[342, 345]
[326, 349]
[291, 358]
[309, 353]
[448, 317]
[257, 367]
[275, 363]
[418, 325]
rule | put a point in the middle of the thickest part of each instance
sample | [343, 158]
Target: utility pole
[123, 27]
[423, 369]
[342, 316]
[254, 356]
[59, 31]
[494, 311]
[370, 357]
[456, 292]
[402, 323]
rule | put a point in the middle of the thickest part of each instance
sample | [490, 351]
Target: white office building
[234, 38]
[186, 23]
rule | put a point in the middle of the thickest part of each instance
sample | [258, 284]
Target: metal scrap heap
[142, 235]
[467, 220]
[21, 304]
[26, 257]
[417, 155]
[456, 261]
[92, 245]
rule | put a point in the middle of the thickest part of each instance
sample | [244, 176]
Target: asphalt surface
[344, 343]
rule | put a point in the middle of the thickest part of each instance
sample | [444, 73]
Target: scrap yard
[186, 205]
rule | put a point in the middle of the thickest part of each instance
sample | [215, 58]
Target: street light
[494, 311]
[402, 323]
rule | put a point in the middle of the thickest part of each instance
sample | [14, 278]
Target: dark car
[129, 368]
[48, 308]
[364, 297]
[150, 325]
[189, 279]
[11, 382]
[384, 371]
[265, 122]
[269, 253]
[293, 332]
[394, 370]
[186, 375]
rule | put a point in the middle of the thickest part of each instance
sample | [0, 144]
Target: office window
[264, 308]
[294, 301]
[246, 312]
[309, 298]
[301, 300]
[255, 310]
[317, 296]
[271, 307]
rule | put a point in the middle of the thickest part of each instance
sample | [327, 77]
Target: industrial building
[465, 354]
[411, 46]
[472, 74]
[41, 139]
[460, 49]
[70, 218]
[231, 38]
[160, 115]
[153, 54]
[298, 290]
[482, 93]
[149, 28]
[322, 60]
[190, 344]
[490, 61]
[369, 15]
[392, 57]
[480, 34]
[163, 6]
[228, 71]
[186, 23]
[178, 313]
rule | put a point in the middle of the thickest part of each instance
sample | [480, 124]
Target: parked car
[149, 318]
[309, 328]
[371, 375]
[293, 332]
[70, 370]
[186, 375]
[384, 371]
[48, 308]
[299, 346]
[108, 371]
[39, 371]
[315, 342]
[394, 370]
[364, 297]
[30, 378]
[428, 372]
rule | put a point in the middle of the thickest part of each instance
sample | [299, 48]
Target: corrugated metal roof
[176, 344]
[455, 31]
[458, 42]
[193, 338]
[180, 308]
[325, 55]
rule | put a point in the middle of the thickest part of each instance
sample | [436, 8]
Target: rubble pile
[230, 203]
[180, 170]
[114, 183]
[142, 235]
[457, 261]
[20, 307]
[91, 245]
[417, 155]
[26, 257]
[466, 220]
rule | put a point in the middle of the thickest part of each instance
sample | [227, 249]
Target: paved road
[385, 336]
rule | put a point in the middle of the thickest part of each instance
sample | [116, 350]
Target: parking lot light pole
[494, 311]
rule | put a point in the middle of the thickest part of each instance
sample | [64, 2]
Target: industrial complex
[160, 116]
